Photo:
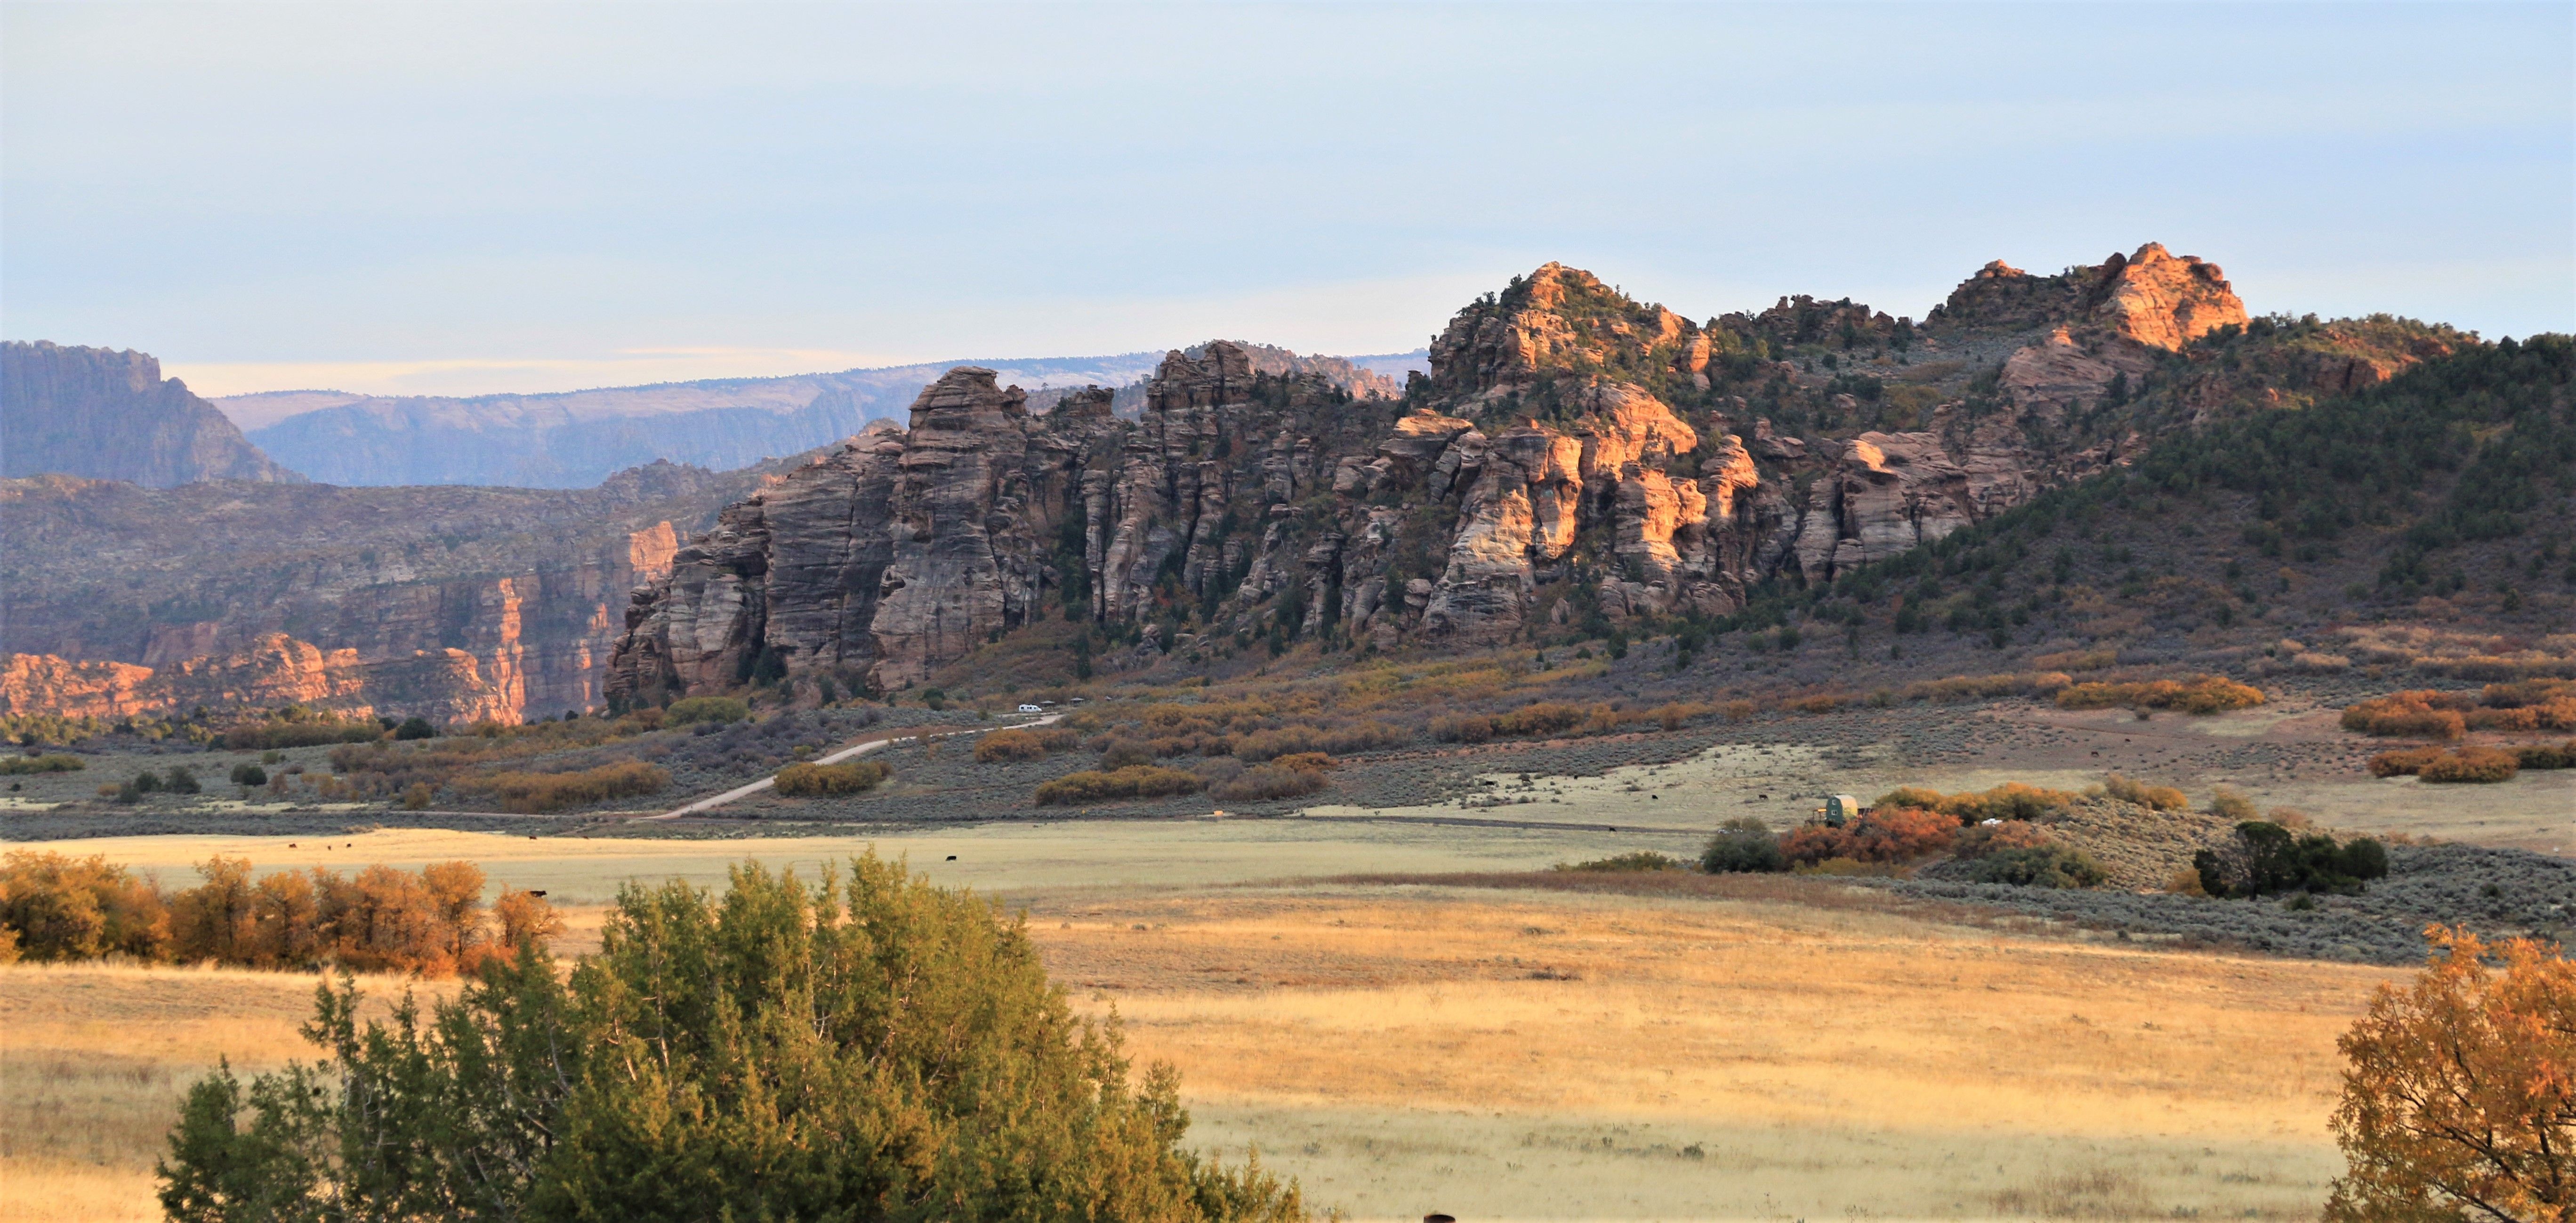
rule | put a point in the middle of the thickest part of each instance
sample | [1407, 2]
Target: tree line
[56, 908]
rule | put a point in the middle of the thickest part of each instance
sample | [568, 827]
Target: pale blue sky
[455, 199]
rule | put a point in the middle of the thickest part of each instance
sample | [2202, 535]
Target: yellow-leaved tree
[2460, 1102]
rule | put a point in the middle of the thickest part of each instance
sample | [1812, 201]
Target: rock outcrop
[1554, 320]
[110, 415]
[873, 564]
[2151, 298]
[1571, 454]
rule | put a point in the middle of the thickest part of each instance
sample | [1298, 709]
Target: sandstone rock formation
[110, 415]
[2151, 298]
[1570, 451]
[1553, 320]
[902, 552]
[274, 671]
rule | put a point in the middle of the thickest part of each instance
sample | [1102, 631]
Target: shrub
[1559, 718]
[2467, 764]
[2546, 756]
[1983, 839]
[314, 732]
[1883, 835]
[1543, 718]
[414, 728]
[824, 780]
[1985, 687]
[2474, 765]
[705, 709]
[529, 793]
[180, 779]
[1901, 834]
[1266, 781]
[247, 774]
[1744, 845]
[2154, 798]
[1808, 844]
[2012, 800]
[2409, 714]
[2077, 660]
[2405, 762]
[1103, 785]
[2045, 866]
[2199, 694]
[1120, 753]
[2264, 858]
[1296, 739]
[51, 762]
[1641, 860]
[1009, 746]
[932, 1070]
[1462, 728]
[2227, 804]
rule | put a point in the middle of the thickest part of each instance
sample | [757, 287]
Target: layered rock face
[903, 551]
[110, 415]
[1243, 502]
[451, 603]
[1572, 453]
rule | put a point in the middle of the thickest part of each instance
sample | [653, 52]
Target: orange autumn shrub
[2199, 694]
[1809, 844]
[1883, 835]
[2419, 714]
[1901, 834]
[2475, 765]
[2467, 764]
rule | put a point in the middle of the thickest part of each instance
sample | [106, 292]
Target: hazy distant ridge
[108, 414]
[574, 439]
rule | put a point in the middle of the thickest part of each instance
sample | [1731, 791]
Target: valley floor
[1403, 1009]
[1797, 1049]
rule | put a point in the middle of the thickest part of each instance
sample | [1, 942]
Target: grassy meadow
[1790, 1052]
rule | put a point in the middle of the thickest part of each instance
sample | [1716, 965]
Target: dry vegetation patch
[98, 1055]
[1490, 1026]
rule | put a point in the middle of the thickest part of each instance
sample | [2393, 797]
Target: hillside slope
[107, 415]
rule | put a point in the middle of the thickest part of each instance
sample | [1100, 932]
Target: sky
[458, 199]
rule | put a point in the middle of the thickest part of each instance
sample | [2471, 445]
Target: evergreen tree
[879, 1049]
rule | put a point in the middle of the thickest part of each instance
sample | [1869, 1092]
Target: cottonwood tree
[2460, 1103]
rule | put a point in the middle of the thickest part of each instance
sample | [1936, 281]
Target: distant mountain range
[576, 439]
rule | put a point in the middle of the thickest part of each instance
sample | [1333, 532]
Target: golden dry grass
[1555, 1055]
[1514, 1055]
[94, 1058]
